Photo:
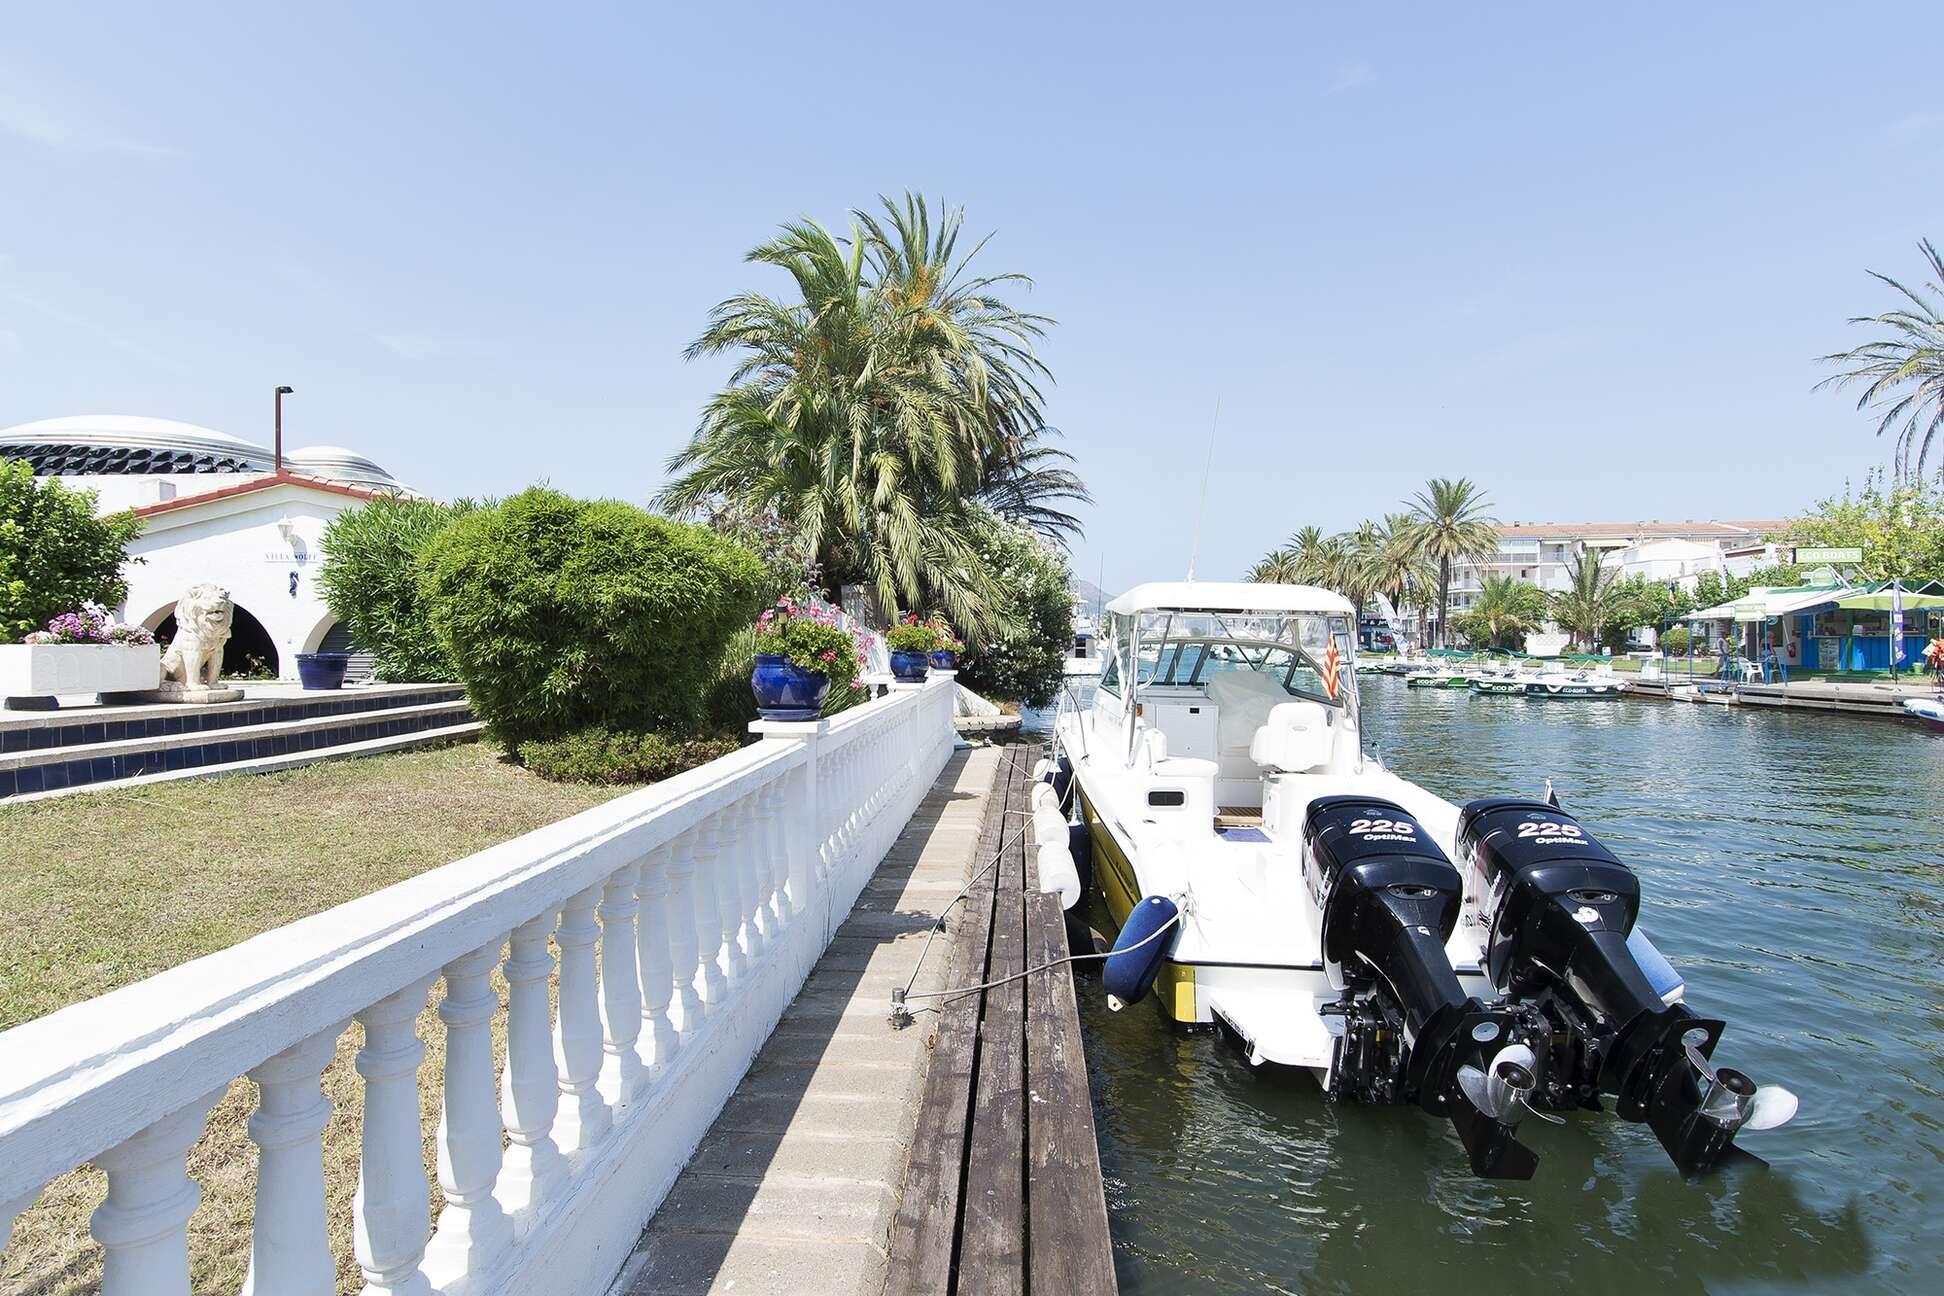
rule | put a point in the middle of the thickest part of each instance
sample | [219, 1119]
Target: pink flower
[857, 683]
[827, 656]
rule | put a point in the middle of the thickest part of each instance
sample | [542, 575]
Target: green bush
[1675, 640]
[369, 578]
[913, 635]
[562, 614]
[602, 755]
[1024, 660]
[55, 554]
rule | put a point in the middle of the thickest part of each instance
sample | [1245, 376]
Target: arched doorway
[250, 653]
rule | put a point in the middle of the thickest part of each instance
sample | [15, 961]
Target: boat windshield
[1293, 649]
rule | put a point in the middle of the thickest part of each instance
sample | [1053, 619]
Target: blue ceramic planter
[787, 692]
[322, 670]
[909, 665]
[944, 659]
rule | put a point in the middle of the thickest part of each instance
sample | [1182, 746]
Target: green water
[1791, 870]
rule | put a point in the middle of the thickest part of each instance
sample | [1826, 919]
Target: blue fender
[1062, 778]
[1132, 966]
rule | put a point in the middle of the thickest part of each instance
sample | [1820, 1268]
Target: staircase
[48, 752]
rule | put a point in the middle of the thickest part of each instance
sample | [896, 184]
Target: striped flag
[1332, 667]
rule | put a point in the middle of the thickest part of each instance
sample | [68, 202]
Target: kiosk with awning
[1828, 627]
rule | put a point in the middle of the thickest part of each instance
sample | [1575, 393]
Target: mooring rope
[958, 992]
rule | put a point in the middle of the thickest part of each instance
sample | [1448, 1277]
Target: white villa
[215, 508]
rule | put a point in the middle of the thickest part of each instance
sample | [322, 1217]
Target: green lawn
[103, 888]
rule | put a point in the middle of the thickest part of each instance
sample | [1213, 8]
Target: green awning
[1879, 601]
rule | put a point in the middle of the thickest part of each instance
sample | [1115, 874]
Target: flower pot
[909, 664]
[785, 691]
[944, 659]
[45, 670]
[323, 670]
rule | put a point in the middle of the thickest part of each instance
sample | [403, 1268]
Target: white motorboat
[1562, 683]
[1268, 874]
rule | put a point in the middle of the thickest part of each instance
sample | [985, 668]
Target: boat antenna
[1201, 509]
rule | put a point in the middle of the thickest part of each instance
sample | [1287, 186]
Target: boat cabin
[1212, 689]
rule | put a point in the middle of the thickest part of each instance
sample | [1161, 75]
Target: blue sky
[1585, 256]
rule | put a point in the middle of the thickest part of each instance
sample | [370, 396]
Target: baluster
[530, 1086]
[143, 1227]
[655, 946]
[584, 1117]
[392, 1208]
[10, 1211]
[749, 877]
[775, 868]
[472, 1227]
[289, 1249]
[703, 841]
[727, 864]
[623, 1075]
[684, 930]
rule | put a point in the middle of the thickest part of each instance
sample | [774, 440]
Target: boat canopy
[1228, 596]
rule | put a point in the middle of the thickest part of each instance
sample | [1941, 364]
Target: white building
[214, 508]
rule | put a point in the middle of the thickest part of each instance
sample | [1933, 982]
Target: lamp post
[281, 393]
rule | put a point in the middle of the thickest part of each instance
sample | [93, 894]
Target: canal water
[1790, 866]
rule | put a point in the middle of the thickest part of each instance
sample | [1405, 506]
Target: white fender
[1049, 825]
[1041, 768]
[1057, 872]
[1043, 795]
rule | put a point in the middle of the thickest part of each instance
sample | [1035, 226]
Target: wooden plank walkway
[1003, 1195]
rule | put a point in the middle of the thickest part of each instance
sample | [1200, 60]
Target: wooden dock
[1003, 1193]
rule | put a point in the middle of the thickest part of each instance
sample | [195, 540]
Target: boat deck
[1004, 1193]
[1238, 817]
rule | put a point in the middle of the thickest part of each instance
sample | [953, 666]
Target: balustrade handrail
[76, 1083]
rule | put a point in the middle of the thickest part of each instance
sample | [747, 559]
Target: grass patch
[102, 889]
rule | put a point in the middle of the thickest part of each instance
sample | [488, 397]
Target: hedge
[370, 579]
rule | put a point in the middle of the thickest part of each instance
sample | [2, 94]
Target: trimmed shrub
[1675, 640]
[601, 755]
[562, 614]
[1023, 662]
[55, 554]
[369, 577]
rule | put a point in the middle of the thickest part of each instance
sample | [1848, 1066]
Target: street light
[281, 393]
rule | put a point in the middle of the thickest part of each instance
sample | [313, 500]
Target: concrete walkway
[793, 1190]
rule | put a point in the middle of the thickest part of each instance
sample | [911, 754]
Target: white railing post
[684, 930]
[577, 1039]
[774, 871]
[10, 1211]
[654, 949]
[713, 985]
[392, 1208]
[623, 1075]
[534, 1168]
[748, 859]
[726, 845]
[143, 1227]
[290, 1251]
[472, 1227]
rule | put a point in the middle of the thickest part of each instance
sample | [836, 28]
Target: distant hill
[1088, 593]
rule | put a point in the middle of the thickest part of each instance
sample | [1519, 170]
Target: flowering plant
[812, 639]
[913, 635]
[85, 627]
[1934, 654]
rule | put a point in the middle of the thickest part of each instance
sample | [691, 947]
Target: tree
[1399, 572]
[1277, 567]
[55, 555]
[1449, 524]
[1902, 374]
[1025, 662]
[369, 577]
[877, 409]
[1505, 612]
[1586, 605]
[1898, 526]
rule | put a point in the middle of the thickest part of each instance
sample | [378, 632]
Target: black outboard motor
[1389, 900]
[1560, 908]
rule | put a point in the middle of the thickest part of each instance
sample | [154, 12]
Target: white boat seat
[1297, 737]
[1243, 701]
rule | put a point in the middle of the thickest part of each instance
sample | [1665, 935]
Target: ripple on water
[1790, 867]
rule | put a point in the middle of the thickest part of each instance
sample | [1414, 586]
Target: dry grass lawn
[104, 888]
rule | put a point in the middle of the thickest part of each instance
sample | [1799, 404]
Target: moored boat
[1930, 711]
[1268, 874]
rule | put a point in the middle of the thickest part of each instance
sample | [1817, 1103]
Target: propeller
[1734, 1101]
[1507, 1088]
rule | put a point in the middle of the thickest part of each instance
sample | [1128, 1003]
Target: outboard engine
[1389, 900]
[1559, 908]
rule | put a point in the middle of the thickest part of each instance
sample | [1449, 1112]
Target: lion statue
[195, 658]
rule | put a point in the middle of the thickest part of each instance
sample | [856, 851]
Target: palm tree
[1277, 567]
[1449, 524]
[873, 411]
[1903, 374]
[1507, 608]
[1399, 572]
[1587, 605]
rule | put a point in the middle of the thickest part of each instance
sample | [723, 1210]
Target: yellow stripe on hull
[1174, 985]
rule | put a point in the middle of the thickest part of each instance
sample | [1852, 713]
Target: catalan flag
[1332, 668]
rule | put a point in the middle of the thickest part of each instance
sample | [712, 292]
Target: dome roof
[337, 464]
[131, 431]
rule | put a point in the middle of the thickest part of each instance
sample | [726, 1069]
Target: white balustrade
[695, 892]
[289, 1252]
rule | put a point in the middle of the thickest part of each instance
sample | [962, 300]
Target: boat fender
[1659, 972]
[1063, 778]
[1042, 770]
[1080, 846]
[1136, 959]
[1042, 795]
[1056, 872]
[1049, 824]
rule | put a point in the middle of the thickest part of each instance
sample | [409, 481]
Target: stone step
[22, 731]
[60, 768]
[465, 732]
